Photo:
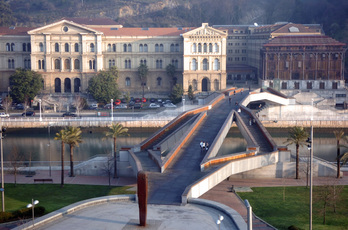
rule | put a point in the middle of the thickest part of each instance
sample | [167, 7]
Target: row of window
[11, 47]
[236, 44]
[309, 85]
[158, 80]
[143, 48]
[237, 51]
[159, 63]
[205, 48]
[11, 63]
[205, 64]
[236, 59]
[195, 84]
[67, 85]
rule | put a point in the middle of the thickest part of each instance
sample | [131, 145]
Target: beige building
[68, 53]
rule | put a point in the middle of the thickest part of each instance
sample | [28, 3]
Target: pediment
[63, 27]
[205, 30]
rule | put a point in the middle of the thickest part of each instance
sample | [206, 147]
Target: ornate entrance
[205, 84]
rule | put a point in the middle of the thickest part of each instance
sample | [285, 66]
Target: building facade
[69, 52]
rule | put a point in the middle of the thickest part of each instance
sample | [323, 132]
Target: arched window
[159, 64]
[194, 85]
[127, 64]
[113, 47]
[56, 47]
[172, 48]
[76, 47]
[194, 64]
[91, 47]
[175, 63]
[39, 66]
[156, 48]
[210, 48]
[205, 48]
[143, 61]
[11, 63]
[76, 64]
[159, 81]
[67, 85]
[43, 64]
[141, 48]
[199, 48]
[194, 48]
[161, 48]
[129, 48]
[216, 84]
[28, 47]
[77, 84]
[66, 46]
[27, 63]
[91, 64]
[67, 64]
[111, 63]
[128, 81]
[12, 47]
[57, 85]
[124, 47]
[145, 48]
[41, 47]
[177, 48]
[109, 48]
[8, 47]
[57, 64]
[24, 47]
[216, 64]
[205, 64]
[216, 48]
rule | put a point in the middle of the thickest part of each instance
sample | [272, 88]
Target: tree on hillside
[25, 84]
[6, 15]
[73, 140]
[103, 87]
[62, 136]
[297, 136]
[116, 130]
[339, 134]
[143, 70]
[176, 94]
[170, 69]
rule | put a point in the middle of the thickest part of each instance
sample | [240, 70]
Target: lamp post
[218, 222]
[2, 168]
[183, 104]
[32, 206]
[311, 175]
[40, 109]
[112, 109]
[49, 146]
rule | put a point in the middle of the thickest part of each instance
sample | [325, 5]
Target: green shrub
[6, 216]
[24, 213]
[293, 227]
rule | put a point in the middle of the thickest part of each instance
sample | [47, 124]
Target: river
[36, 145]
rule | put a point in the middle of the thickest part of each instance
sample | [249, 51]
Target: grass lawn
[270, 205]
[52, 196]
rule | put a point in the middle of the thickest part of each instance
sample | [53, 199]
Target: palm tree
[339, 135]
[63, 137]
[73, 141]
[116, 130]
[297, 136]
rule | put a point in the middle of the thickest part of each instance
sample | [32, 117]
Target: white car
[154, 105]
[121, 106]
[169, 105]
[4, 115]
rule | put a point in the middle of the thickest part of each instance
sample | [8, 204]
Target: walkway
[167, 188]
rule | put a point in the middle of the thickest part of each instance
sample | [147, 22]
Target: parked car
[107, 106]
[137, 100]
[131, 104]
[93, 106]
[28, 114]
[19, 107]
[169, 105]
[143, 100]
[123, 100]
[159, 100]
[69, 114]
[138, 106]
[154, 105]
[4, 115]
[121, 106]
[153, 100]
[117, 101]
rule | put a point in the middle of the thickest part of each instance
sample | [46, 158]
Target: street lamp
[2, 167]
[40, 109]
[32, 206]
[49, 146]
[112, 109]
[311, 174]
[183, 104]
[218, 222]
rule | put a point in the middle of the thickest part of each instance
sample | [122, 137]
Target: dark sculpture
[142, 197]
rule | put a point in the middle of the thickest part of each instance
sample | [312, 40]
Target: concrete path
[167, 188]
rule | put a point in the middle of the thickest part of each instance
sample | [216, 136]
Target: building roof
[295, 28]
[92, 21]
[114, 31]
[15, 30]
[313, 40]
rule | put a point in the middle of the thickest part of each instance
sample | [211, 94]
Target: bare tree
[7, 103]
[108, 167]
[16, 160]
[79, 103]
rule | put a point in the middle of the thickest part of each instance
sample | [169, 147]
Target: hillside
[140, 13]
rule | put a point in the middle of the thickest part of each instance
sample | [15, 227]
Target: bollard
[250, 215]
[142, 197]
